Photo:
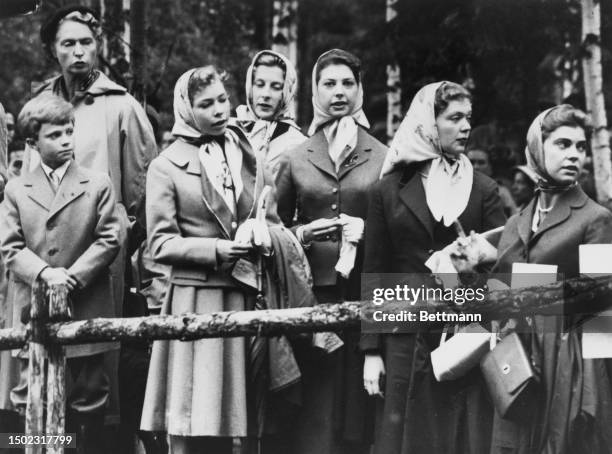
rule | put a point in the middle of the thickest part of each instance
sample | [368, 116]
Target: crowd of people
[246, 212]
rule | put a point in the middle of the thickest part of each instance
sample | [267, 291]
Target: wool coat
[198, 388]
[420, 414]
[573, 391]
[76, 228]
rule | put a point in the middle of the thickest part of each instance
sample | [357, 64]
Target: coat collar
[41, 192]
[319, 156]
[101, 86]
[572, 198]
[185, 156]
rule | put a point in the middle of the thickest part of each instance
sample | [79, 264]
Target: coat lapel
[70, 189]
[412, 194]
[359, 156]
[318, 155]
[573, 197]
[251, 179]
[524, 222]
[41, 191]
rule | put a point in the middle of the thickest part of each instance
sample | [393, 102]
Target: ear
[33, 144]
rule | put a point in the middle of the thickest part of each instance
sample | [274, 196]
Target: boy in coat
[58, 224]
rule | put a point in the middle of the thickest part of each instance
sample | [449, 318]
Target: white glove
[352, 228]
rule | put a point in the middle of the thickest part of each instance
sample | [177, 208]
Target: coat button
[431, 251]
[52, 252]
[234, 224]
[334, 206]
[334, 191]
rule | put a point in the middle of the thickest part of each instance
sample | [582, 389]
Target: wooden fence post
[36, 368]
[56, 372]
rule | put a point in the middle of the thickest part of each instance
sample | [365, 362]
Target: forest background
[516, 56]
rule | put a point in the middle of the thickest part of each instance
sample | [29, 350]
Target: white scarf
[341, 133]
[448, 184]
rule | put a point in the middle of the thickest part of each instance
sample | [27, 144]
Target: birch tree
[284, 31]
[592, 69]
[394, 87]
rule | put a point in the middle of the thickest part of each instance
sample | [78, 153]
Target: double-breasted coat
[198, 388]
[334, 405]
[76, 228]
[573, 391]
[420, 414]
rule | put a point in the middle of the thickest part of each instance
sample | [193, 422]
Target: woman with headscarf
[573, 409]
[268, 116]
[199, 191]
[322, 192]
[427, 184]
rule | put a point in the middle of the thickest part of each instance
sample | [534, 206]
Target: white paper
[532, 274]
[596, 259]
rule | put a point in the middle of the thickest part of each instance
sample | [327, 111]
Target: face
[75, 48]
[480, 161]
[338, 90]
[268, 84]
[565, 153]
[522, 188]
[454, 127]
[15, 163]
[55, 143]
[10, 126]
[211, 108]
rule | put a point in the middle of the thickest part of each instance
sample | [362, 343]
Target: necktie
[55, 180]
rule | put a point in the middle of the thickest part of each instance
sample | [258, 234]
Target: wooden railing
[49, 330]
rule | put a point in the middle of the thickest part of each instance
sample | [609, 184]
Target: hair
[75, 13]
[448, 92]
[565, 115]
[203, 77]
[339, 57]
[270, 60]
[15, 145]
[45, 108]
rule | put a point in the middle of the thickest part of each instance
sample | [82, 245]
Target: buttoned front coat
[309, 186]
[76, 228]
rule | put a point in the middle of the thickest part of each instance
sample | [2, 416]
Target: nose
[465, 125]
[265, 92]
[78, 49]
[219, 108]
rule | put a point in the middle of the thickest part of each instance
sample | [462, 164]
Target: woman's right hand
[230, 251]
[373, 371]
[319, 229]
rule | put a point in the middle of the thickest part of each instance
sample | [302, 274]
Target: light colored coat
[77, 229]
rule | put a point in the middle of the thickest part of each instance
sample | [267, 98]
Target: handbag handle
[495, 330]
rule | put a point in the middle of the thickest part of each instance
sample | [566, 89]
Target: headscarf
[260, 131]
[211, 153]
[342, 132]
[534, 152]
[449, 182]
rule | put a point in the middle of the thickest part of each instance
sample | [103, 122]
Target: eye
[349, 83]
[67, 43]
[329, 84]
[259, 83]
[69, 131]
[87, 42]
[205, 104]
[563, 143]
[581, 147]
[277, 87]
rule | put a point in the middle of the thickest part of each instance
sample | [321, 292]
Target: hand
[318, 229]
[373, 370]
[352, 228]
[58, 276]
[254, 232]
[469, 252]
[230, 251]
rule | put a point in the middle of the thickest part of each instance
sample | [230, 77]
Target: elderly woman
[268, 116]
[322, 189]
[428, 184]
[573, 411]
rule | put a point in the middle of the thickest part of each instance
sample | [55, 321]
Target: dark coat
[307, 182]
[573, 412]
[334, 415]
[420, 414]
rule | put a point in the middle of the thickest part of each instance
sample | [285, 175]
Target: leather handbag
[509, 376]
[455, 357]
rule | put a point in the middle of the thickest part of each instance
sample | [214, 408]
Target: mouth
[462, 141]
[264, 106]
[339, 104]
[572, 169]
[219, 123]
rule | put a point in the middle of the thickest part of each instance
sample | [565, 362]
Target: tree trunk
[285, 33]
[394, 87]
[600, 141]
[138, 17]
